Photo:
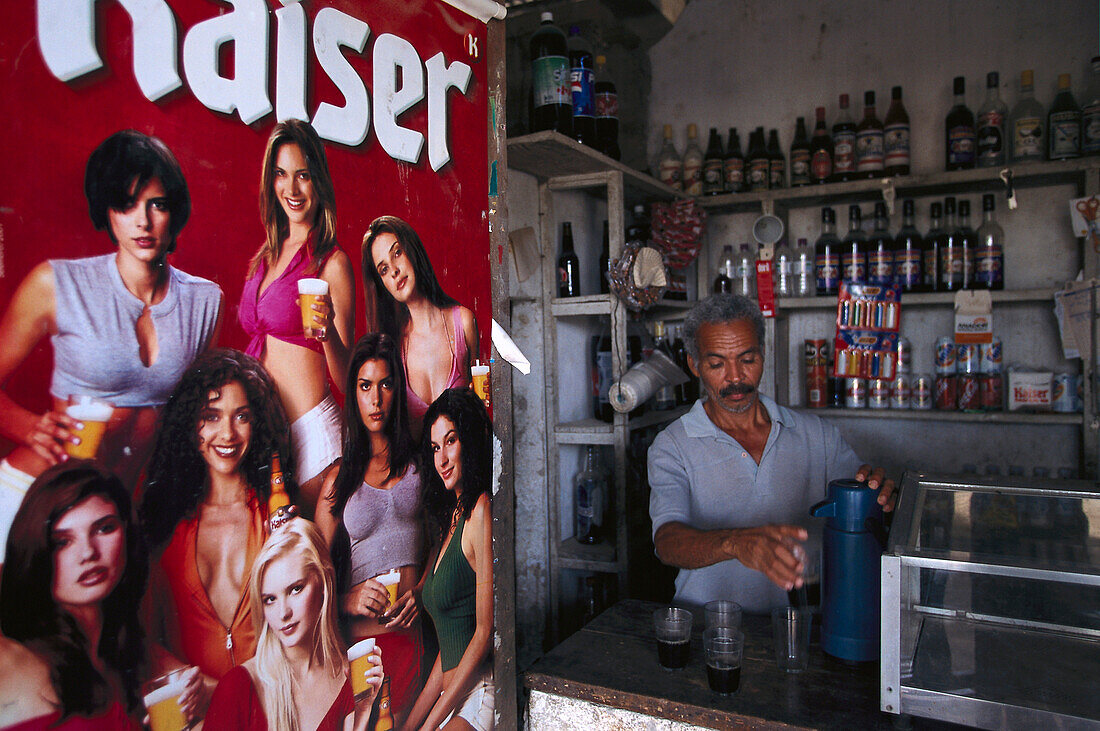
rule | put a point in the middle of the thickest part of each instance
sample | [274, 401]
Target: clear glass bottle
[693, 164]
[1064, 123]
[802, 271]
[1028, 123]
[1090, 112]
[670, 167]
[989, 255]
[783, 270]
[991, 124]
[853, 257]
[827, 256]
[744, 274]
[589, 499]
[959, 142]
[723, 282]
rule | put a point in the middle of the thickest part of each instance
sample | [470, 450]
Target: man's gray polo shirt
[701, 476]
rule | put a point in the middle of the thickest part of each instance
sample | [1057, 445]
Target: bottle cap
[828, 215]
[546, 17]
[868, 98]
[692, 131]
[820, 113]
[937, 210]
[668, 131]
[1063, 81]
[880, 209]
[843, 101]
[896, 92]
[989, 202]
[907, 208]
[960, 85]
[992, 80]
[964, 208]
[1027, 77]
[854, 214]
[949, 205]
[601, 59]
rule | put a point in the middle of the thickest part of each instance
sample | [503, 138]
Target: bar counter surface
[612, 661]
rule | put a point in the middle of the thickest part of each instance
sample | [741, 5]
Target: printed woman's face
[294, 185]
[374, 393]
[292, 598]
[447, 453]
[225, 428]
[89, 553]
[142, 228]
[394, 268]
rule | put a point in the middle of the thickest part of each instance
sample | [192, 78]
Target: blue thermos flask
[852, 546]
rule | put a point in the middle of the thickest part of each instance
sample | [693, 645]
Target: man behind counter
[732, 480]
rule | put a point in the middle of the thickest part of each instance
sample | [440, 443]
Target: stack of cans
[901, 388]
[969, 377]
[946, 396]
[991, 376]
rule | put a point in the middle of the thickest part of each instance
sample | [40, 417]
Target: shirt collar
[698, 424]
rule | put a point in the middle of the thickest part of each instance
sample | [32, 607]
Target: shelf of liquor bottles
[594, 431]
[924, 299]
[988, 417]
[944, 183]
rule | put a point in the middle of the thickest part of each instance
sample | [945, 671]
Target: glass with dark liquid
[672, 626]
[722, 648]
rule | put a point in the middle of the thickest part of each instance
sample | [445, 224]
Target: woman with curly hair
[458, 588]
[299, 678]
[73, 649]
[373, 503]
[205, 516]
[298, 208]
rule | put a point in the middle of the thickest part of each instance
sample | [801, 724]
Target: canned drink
[969, 398]
[991, 357]
[855, 393]
[905, 355]
[817, 353]
[967, 358]
[900, 392]
[946, 393]
[922, 395]
[878, 394]
[1064, 394]
[992, 387]
[945, 356]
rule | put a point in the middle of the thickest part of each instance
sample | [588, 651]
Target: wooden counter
[613, 662]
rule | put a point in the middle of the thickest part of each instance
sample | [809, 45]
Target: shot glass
[359, 662]
[723, 613]
[309, 290]
[161, 696]
[791, 628]
[93, 414]
[673, 629]
[723, 648]
[390, 580]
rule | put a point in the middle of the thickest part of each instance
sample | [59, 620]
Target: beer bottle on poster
[1064, 123]
[569, 266]
[827, 256]
[607, 112]
[1027, 123]
[870, 149]
[713, 161]
[1090, 112]
[670, 168]
[553, 96]
[803, 269]
[853, 256]
[278, 504]
[605, 261]
[908, 252]
[950, 250]
[734, 164]
[589, 499]
[758, 161]
[800, 155]
[989, 256]
[880, 250]
[777, 163]
[384, 718]
[844, 143]
[991, 125]
[821, 150]
[968, 241]
[896, 136]
[693, 164]
[959, 141]
[723, 282]
[932, 248]
[582, 80]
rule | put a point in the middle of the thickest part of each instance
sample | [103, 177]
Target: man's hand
[769, 549]
[875, 477]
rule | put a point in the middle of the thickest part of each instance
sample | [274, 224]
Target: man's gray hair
[719, 308]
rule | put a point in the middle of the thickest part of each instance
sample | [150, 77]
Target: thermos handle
[824, 509]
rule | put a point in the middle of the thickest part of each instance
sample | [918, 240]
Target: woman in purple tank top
[438, 336]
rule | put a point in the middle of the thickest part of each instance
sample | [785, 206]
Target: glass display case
[991, 602]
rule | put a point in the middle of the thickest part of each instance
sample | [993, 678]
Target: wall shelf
[924, 299]
[990, 417]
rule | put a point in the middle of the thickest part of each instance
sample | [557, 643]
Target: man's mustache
[739, 388]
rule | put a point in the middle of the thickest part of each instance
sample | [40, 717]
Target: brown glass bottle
[869, 141]
[800, 155]
[821, 150]
[844, 144]
[758, 161]
[777, 162]
[734, 164]
[896, 139]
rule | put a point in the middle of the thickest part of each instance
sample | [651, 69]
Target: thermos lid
[848, 505]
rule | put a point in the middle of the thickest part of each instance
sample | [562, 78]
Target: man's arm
[766, 549]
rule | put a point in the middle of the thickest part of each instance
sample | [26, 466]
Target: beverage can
[855, 393]
[878, 394]
[969, 398]
[922, 394]
[945, 356]
[967, 358]
[991, 357]
[905, 355]
[992, 387]
[1064, 394]
[900, 392]
[817, 354]
[946, 393]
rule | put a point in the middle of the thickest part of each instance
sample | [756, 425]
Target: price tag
[765, 292]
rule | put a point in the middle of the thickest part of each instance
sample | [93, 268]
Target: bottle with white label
[783, 283]
[1064, 123]
[989, 255]
[844, 144]
[744, 273]
[670, 168]
[1090, 113]
[802, 269]
[1027, 124]
[991, 125]
[693, 164]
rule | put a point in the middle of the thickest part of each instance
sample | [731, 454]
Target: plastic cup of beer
[480, 376]
[359, 660]
[309, 290]
[93, 415]
[390, 580]
[162, 701]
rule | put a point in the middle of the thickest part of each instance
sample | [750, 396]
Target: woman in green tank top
[458, 586]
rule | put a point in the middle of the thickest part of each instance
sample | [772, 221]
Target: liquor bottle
[589, 499]
[744, 272]
[758, 161]
[827, 256]
[569, 266]
[713, 182]
[908, 253]
[590, 599]
[670, 168]
[853, 256]
[607, 112]
[870, 150]
[553, 97]
[723, 283]
[603, 375]
[777, 164]
[991, 125]
[800, 155]
[582, 80]
[821, 150]
[1064, 123]
[989, 256]
[951, 253]
[783, 270]
[665, 398]
[802, 270]
[687, 392]
[880, 250]
[384, 718]
[1090, 112]
[896, 136]
[844, 143]
[959, 139]
[1027, 123]
[932, 249]
[734, 165]
[605, 261]
[968, 242]
[693, 164]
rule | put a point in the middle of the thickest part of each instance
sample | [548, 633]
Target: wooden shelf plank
[589, 304]
[923, 299]
[992, 417]
[587, 557]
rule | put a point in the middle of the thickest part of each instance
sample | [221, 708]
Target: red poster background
[50, 127]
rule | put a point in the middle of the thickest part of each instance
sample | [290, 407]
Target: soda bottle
[582, 80]
[777, 164]
[744, 276]
[569, 266]
[783, 270]
[607, 112]
[723, 283]
[800, 155]
[553, 97]
[802, 270]
[713, 182]
[734, 164]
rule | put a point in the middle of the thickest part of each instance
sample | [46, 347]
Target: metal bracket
[1010, 191]
[889, 194]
